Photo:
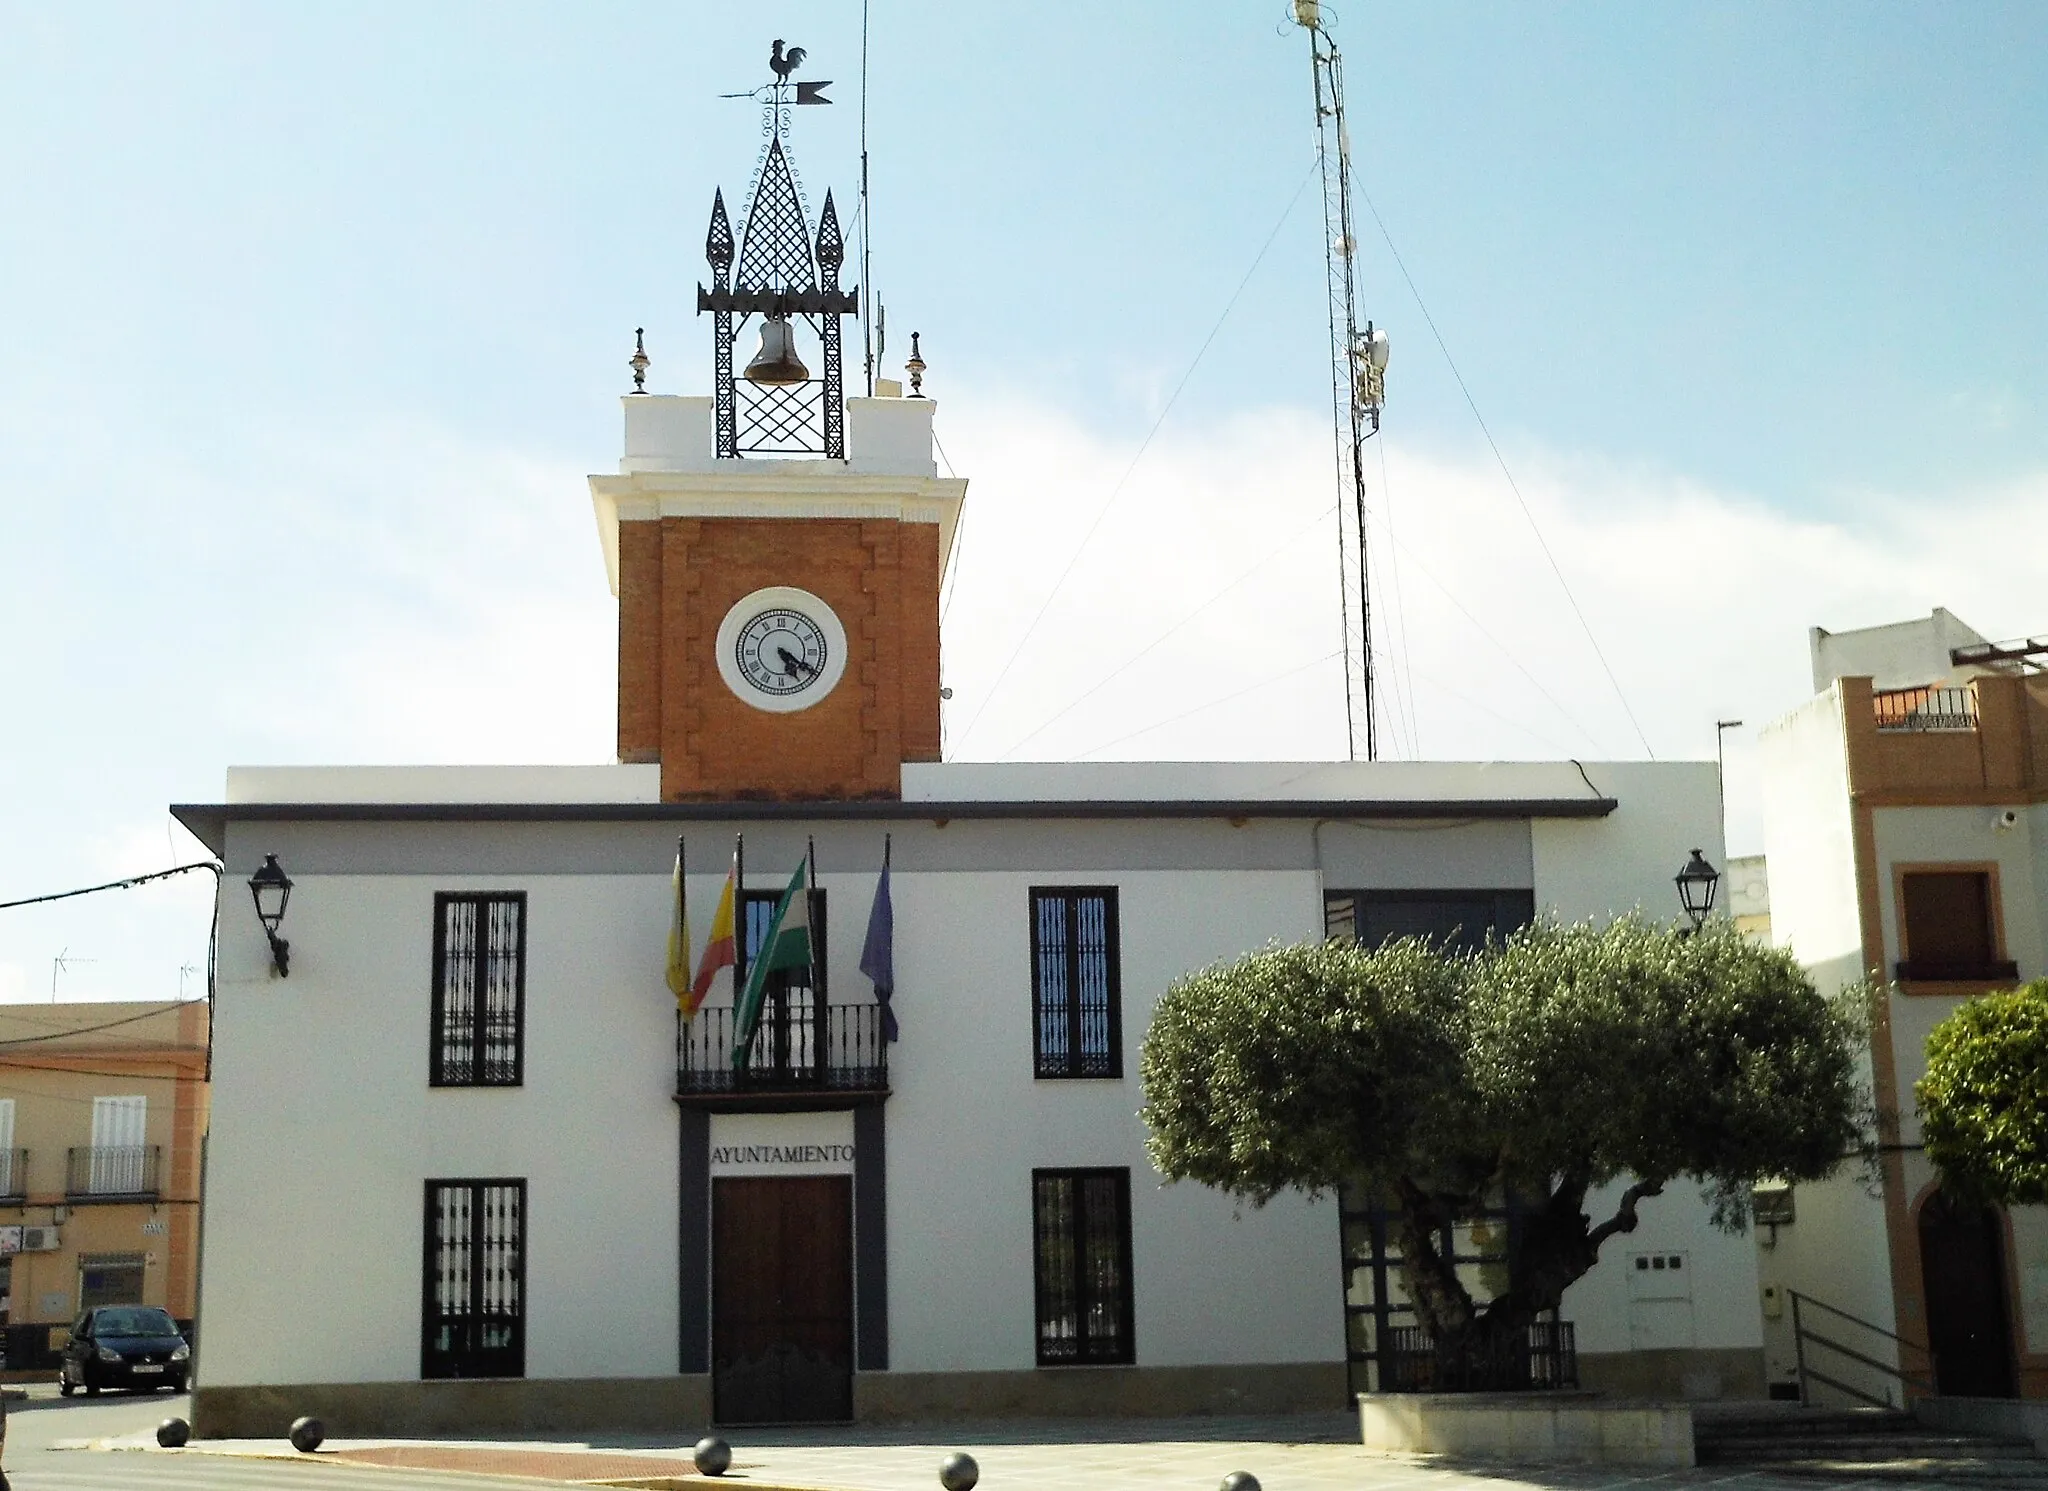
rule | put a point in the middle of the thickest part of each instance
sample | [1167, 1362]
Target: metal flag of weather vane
[787, 275]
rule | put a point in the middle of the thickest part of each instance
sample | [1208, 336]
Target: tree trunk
[1556, 1245]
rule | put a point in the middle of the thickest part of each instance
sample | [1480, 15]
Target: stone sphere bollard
[1240, 1480]
[307, 1433]
[172, 1433]
[713, 1456]
[958, 1472]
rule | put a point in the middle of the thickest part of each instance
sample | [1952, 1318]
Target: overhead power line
[128, 884]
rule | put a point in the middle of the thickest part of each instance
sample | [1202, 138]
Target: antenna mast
[1358, 364]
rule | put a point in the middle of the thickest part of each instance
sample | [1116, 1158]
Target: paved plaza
[1296, 1453]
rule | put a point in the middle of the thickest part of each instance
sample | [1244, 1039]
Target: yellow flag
[679, 942]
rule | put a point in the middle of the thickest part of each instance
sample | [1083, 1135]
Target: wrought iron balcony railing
[112, 1172]
[798, 1049]
[13, 1176]
[1925, 709]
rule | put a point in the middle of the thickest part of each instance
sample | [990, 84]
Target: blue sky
[313, 318]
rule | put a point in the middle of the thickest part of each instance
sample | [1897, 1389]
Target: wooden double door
[782, 1299]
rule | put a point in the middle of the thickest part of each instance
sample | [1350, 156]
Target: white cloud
[1699, 599]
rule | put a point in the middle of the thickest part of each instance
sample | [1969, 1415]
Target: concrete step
[2023, 1474]
[1891, 1445]
[1794, 1418]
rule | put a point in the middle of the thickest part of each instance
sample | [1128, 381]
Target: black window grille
[479, 989]
[473, 1314]
[1081, 1248]
[1076, 983]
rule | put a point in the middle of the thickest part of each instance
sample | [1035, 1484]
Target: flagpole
[886, 1017]
[818, 1016]
[739, 930]
[683, 918]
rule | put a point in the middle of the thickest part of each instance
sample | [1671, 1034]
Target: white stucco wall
[1602, 867]
[1837, 1251]
[325, 1127]
[968, 1122]
[325, 1130]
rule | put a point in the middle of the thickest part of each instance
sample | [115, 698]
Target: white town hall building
[468, 1169]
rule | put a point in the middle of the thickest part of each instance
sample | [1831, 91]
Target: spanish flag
[719, 950]
[679, 942]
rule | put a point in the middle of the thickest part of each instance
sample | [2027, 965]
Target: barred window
[1075, 982]
[479, 989]
[1081, 1224]
[473, 1312]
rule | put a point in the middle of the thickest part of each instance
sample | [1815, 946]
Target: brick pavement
[1299, 1453]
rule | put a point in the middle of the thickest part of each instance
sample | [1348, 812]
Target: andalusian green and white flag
[787, 945]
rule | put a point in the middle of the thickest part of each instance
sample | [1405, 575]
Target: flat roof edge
[209, 820]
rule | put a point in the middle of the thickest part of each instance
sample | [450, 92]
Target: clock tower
[777, 547]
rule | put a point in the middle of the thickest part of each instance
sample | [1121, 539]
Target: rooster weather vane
[787, 274]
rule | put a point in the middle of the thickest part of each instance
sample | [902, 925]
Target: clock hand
[791, 663]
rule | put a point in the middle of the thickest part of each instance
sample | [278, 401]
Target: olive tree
[1984, 1100]
[1544, 1068]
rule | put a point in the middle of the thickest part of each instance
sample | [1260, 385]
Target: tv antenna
[1358, 371]
[62, 964]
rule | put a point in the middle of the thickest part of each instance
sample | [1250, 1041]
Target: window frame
[1998, 971]
[1124, 1352]
[439, 1366]
[438, 1064]
[1047, 1066]
[1519, 899]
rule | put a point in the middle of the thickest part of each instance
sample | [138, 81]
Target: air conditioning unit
[40, 1240]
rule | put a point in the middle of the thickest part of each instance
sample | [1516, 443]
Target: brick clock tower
[777, 548]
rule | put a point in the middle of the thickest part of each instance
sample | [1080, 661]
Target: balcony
[1927, 745]
[13, 1176]
[112, 1172]
[803, 1056]
[1924, 709]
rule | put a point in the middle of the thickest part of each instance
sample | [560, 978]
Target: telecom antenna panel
[1358, 370]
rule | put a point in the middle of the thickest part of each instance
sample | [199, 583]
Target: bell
[777, 363]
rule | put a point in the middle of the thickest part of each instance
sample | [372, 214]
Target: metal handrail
[1925, 709]
[826, 1048]
[1801, 1336]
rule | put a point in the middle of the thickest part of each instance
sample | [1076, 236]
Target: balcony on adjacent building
[112, 1172]
[803, 1055]
[13, 1176]
[1924, 709]
[1987, 739]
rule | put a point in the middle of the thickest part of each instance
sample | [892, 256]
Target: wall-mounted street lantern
[272, 889]
[1697, 883]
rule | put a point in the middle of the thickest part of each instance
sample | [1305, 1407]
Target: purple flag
[878, 954]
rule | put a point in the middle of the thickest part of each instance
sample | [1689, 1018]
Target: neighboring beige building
[1748, 896]
[1907, 832]
[102, 1110]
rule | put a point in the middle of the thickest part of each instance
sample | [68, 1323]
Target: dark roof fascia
[208, 821]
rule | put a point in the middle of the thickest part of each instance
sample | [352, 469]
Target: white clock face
[781, 649]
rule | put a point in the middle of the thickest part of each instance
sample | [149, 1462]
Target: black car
[134, 1346]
